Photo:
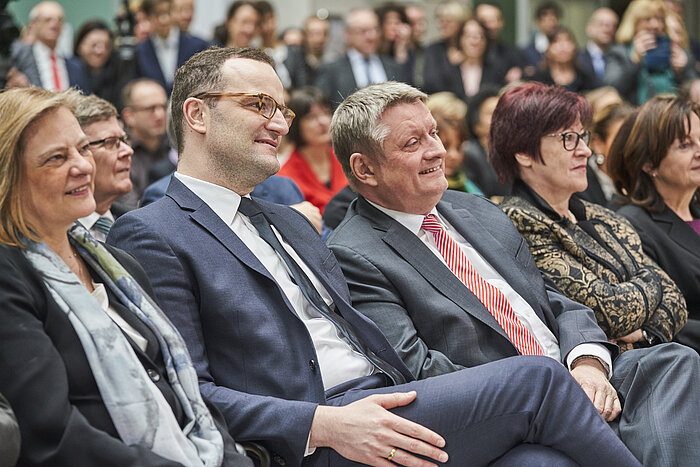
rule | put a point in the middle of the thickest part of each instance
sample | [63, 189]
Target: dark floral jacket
[598, 261]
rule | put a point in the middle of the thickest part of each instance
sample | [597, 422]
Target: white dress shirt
[338, 360]
[359, 65]
[42, 57]
[166, 52]
[547, 340]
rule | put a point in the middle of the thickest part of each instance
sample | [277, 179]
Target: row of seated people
[383, 44]
[437, 337]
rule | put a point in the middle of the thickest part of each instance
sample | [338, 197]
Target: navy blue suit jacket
[253, 354]
[147, 62]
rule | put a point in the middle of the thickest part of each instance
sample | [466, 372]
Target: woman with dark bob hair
[312, 164]
[94, 371]
[658, 167]
[539, 142]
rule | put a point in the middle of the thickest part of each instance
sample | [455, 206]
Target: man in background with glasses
[145, 115]
[265, 312]
[112, 154]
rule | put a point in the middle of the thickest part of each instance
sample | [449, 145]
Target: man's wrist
[603, 365]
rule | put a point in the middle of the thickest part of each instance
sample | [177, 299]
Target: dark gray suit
[337, 80]
[437, 325]
[24, 61]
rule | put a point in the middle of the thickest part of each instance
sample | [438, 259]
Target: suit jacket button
[312, 365]
[153, 374]
[279, 460]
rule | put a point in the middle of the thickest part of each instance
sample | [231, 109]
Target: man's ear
[363, 169]
[524, 160]
[127, 116]
[195, 111]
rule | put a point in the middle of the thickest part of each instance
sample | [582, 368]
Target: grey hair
[356, 125]
[91, 109]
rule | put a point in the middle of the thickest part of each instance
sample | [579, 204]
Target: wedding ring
[391, 454]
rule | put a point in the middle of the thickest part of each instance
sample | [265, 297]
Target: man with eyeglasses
[145, 115]
[112, 154]
[265, 311]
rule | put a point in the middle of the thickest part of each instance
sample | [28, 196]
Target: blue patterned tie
[102, 225]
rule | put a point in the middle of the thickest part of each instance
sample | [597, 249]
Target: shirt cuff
[308, 451]
[596, 350]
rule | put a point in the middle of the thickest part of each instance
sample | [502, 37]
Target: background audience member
[657, 65]
[560, 66]
[475, 69]
[274, 47]
[395, 32]
[491, 17]
[362, 64]
[450, 16]
[167, 48]
[547, 19]
[241, 26]
[314, 48]
[78, 317]
[539, 143]
[39, 63]
[449, 112]
[606, 123]
[477, 166]
[658, 168]
[112, 155]
[690, 90]
[145, 107]
[98, 69]
[312, 164]
[602, 57]
[183, 13]
[415, 12]
[9, 433]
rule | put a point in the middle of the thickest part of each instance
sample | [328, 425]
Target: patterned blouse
[598, 261]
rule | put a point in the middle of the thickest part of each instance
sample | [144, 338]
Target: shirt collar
[412, 222]
[594, 50]
[222, 201]
[354, 56]
[89, 221]
[169, 42]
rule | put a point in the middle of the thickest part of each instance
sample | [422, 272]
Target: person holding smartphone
[659, 63]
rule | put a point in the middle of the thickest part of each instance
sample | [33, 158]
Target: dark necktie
[252, 210]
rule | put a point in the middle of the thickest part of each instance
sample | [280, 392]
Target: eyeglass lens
[571, 139]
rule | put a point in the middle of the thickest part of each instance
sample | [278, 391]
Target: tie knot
[431, 224]
[248, 207]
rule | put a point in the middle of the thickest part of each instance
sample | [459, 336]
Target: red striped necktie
[492, 298]
[56, 75]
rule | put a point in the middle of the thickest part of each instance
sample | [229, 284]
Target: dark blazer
[107, 82]
[583, 79]
[675, 246]
[435, 323]
[618, 67]
[599, 262]
[275, 189]
[480, 171]
[253, 354]
[9, 434]
[337, 81]
[62, 418]
[24, 61]
[441, 75]
[147, 61]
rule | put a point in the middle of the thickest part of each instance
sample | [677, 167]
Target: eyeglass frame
[585, 136]
[260, 96]
[118, 139]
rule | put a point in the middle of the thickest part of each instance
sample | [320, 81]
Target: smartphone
[659, 58]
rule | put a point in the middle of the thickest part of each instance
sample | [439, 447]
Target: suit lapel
[416, 253]
[679, 231]
[202, 214]
[152, 58]
[492, 250]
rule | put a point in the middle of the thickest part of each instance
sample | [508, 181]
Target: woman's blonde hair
[21, 107]
[637, 10]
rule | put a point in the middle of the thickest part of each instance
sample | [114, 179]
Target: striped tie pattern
[492, 298]
[102, 225]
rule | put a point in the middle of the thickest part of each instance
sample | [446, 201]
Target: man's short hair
[91, 109]
[202, 73]
[546, 8]
[149, 6]
[356, 125]
[126, 91]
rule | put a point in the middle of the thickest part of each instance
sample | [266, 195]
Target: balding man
[602, 57]
[361, 65]
[39, 64]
